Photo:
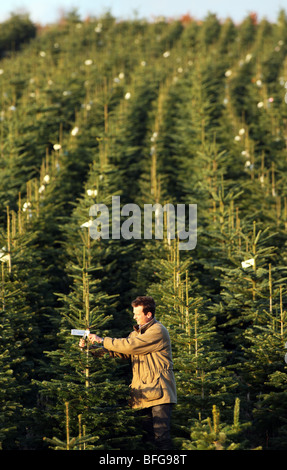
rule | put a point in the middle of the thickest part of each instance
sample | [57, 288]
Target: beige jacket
[149, 349]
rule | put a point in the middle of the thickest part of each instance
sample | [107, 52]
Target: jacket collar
[143, 328]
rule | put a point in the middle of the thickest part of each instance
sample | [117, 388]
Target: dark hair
[146, 302]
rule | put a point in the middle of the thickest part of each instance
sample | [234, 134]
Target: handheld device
[83, 333]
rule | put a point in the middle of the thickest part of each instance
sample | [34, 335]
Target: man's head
[143, 309]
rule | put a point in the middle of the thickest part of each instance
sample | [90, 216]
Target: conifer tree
[199, 358]
[20, 350]
[82, 442]
[214, 435]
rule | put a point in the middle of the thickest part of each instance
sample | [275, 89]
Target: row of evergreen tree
[161, 112]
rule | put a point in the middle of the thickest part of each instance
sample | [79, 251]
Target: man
[153, 384]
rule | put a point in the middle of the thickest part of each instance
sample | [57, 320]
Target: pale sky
[44, 12]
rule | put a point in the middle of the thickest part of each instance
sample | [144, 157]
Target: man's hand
[95, 339]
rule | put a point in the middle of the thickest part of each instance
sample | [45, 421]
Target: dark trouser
[156, 426]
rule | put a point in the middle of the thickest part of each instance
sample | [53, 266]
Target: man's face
[140, 317]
